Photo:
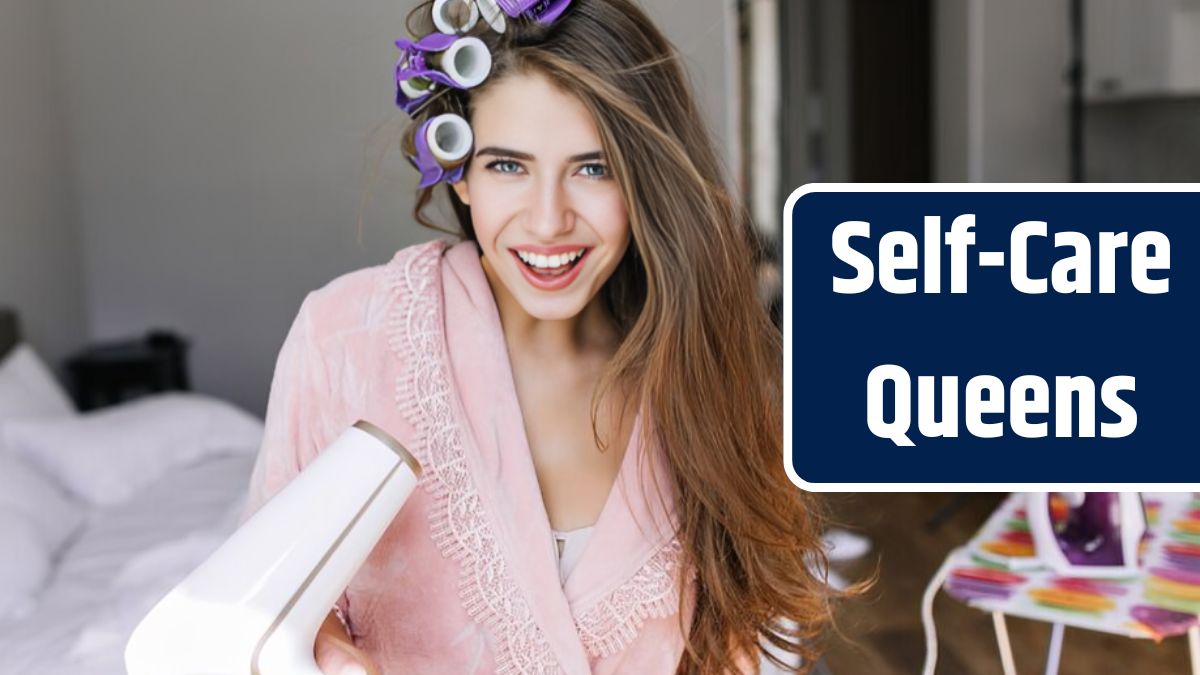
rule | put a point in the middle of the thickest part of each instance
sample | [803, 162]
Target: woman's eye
[594, 170]
[504, 166]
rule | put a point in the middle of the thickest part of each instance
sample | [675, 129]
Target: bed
[127, 551]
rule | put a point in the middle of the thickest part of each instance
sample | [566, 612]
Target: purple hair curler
[441, 148]
[542, 11]
[438, 58]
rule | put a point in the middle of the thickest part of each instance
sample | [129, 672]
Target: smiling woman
[550, 220]
[587, 377]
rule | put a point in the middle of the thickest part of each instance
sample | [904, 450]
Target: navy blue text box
[836, 340]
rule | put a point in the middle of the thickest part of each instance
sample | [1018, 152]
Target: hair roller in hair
[455, 16]
[541, 11]
[440, 149]
[438, 58]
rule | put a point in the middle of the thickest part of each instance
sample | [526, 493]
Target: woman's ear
[464, 194]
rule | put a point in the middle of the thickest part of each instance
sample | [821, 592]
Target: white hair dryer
[255, 605]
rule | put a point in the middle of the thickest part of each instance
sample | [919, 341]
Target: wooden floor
[882, 634]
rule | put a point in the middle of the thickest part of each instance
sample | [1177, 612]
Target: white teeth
[549, 262]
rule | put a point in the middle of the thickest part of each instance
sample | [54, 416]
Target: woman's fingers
[335, 657]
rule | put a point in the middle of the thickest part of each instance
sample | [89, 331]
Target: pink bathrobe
[465, 580]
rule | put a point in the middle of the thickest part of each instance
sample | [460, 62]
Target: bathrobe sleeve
[297, 424]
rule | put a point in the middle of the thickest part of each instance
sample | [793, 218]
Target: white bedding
[125, 558]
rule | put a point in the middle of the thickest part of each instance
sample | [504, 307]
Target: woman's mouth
[551, 272]
[551, 265]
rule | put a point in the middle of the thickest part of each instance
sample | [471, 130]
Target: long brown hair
[698, 349]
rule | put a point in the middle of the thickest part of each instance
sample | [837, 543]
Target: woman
[587, 379]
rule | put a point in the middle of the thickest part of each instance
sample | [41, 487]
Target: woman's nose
[550, 214]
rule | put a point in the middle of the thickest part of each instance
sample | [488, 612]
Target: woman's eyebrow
[587, 157]
[506, 152]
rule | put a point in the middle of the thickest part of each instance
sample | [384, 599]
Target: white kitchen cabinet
[1141, 48]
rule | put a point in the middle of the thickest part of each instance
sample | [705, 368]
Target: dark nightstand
[109, 373]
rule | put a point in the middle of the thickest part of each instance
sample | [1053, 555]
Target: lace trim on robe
[459, 525]
[652, 593]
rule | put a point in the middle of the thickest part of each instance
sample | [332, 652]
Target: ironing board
[996, 573]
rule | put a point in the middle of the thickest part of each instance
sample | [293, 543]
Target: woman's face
[548, 214]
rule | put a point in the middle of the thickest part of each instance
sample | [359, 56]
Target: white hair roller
[455, 16]
[492, 14]
[450, 138]
[468, 62]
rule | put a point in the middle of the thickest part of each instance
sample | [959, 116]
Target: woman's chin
[557, 309]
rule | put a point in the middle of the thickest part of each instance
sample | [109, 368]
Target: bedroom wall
[39, 251]
[222, 148]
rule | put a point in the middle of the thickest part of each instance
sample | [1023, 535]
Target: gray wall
[1026, 94]
[39, 252]
[1015, 127]
[221, 149]
[705, 33]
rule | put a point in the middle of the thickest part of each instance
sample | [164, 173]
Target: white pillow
[29, 494]
[106, 456]
[24, 566]
[28, 388]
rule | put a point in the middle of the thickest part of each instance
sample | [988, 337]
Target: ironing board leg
[1194, 648]
[1006, 655]
[1054, 653]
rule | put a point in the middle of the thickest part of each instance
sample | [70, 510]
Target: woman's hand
[336, 654]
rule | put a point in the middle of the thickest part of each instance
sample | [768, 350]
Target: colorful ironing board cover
[997, 571]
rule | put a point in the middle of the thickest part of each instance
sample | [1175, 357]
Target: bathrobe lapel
[627, 570]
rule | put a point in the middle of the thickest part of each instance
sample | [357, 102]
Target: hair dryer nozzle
[255, 605]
